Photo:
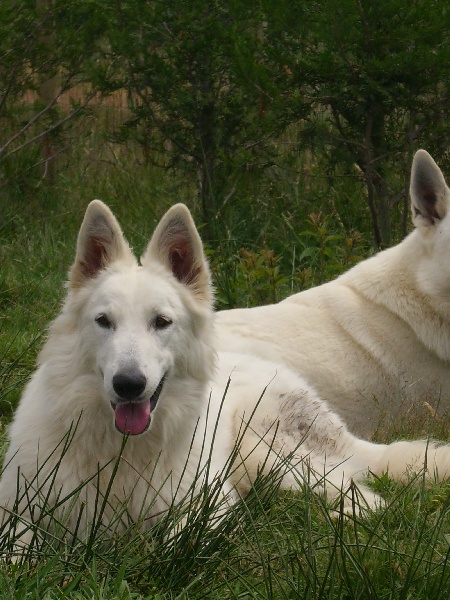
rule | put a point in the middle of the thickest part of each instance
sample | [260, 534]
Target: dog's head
[142, 328]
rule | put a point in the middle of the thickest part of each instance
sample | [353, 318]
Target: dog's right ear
[429, 192]
[177, 245]
[100, 243]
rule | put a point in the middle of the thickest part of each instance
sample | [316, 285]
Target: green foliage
[250, 279]
[214, 88]
[326, 252]
[256, 277]
[186, 69]
[45, 49]
[377, 78]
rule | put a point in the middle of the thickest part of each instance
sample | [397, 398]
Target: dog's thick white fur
[375, 342]
[133, 352]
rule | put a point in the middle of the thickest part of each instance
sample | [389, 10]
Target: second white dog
[375, 342]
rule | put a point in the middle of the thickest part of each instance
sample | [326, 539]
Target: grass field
[273, 545]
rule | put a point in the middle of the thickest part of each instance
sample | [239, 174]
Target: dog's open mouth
[133, 418]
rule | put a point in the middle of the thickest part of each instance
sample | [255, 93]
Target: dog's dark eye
[104, 322]
[162, 322]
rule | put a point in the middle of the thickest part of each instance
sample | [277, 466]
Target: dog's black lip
[154, 399]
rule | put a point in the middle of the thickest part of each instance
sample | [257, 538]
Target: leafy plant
[250, 279]
[326, 252]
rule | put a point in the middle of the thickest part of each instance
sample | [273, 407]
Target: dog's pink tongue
[132, 418]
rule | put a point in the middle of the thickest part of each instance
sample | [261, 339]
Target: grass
[273, 544]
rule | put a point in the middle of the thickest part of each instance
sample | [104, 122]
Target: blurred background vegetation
[287, 128]
[264, 109]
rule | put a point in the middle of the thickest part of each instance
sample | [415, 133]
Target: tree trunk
[208, 157]
[384, 209]
[377, 189]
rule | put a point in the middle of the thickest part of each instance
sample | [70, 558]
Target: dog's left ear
[177, 244]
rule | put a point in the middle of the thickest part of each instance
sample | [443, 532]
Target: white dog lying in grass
[375, 342]
[132, 354]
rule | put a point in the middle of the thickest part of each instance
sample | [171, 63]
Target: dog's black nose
[129, 386]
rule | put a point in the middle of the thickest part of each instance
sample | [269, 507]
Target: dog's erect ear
[429, 192]
[100, 243]
[178, 246]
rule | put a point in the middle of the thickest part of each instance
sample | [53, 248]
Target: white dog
[375, 342]
[132, 355]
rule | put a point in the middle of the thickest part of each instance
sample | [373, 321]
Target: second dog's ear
[178, 246]
[429, 192]
[100, 243]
